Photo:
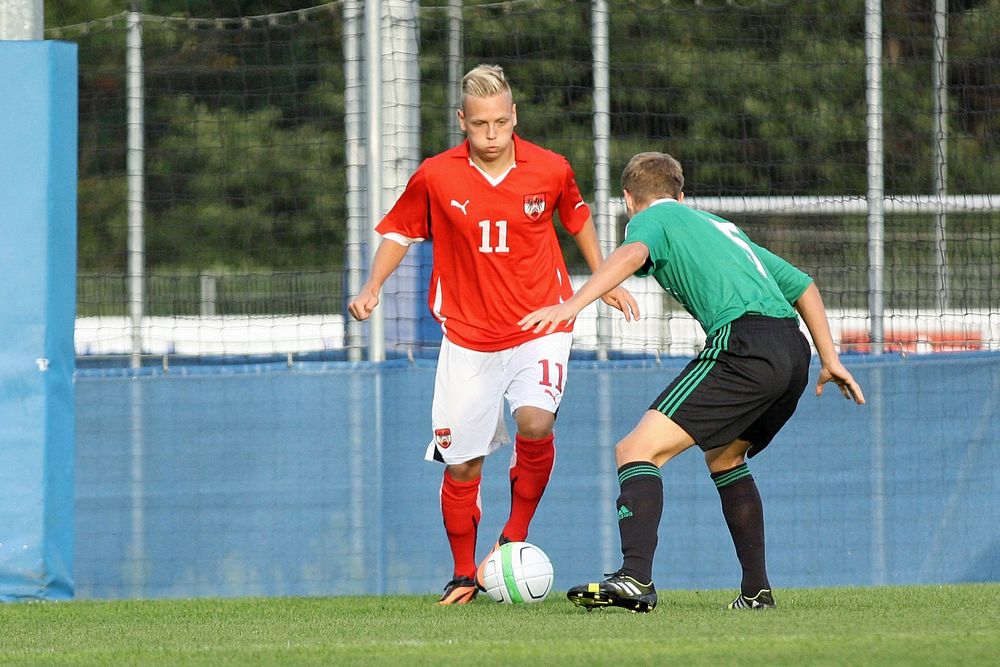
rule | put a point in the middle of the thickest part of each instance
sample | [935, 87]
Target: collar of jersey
[493, 180]
[661, 200]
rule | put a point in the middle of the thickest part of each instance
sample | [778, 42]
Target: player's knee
[535, 431]
[632, 449]
[534, 424]
[725, 458]
[723, 463]
[466, 471]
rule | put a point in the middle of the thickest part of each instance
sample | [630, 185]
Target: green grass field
[913, 625]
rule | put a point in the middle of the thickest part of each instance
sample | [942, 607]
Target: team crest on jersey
[534, 206]
[442, 436]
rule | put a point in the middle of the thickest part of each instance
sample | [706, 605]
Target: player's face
[489, 123]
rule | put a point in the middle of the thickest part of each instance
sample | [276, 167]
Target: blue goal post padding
[38, 142]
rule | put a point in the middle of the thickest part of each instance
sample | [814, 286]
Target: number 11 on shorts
[546, 380]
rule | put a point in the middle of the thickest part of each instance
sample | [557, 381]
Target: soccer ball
[518, 573]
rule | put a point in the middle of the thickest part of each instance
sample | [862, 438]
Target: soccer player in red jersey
[488, 207]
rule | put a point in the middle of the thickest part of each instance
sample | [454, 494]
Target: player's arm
[619, 265]
[811, 308]
[617, 297]
[387, 257]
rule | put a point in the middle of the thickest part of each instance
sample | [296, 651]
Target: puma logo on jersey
[460, 206]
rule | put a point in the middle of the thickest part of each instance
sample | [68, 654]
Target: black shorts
[745, 384]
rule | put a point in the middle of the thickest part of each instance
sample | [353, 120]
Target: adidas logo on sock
[624, 512]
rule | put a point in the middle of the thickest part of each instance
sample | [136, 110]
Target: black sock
[744, 512]
[639, 508]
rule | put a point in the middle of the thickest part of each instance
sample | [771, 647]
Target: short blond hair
[651, 175]
[484, 81]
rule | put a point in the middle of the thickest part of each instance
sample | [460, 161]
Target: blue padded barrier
[38, 121]
[309, 480]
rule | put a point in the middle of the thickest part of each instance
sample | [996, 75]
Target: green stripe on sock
[647, 469]
[731, 477]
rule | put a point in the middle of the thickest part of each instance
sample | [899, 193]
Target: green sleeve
[642, 229]
[791, 280]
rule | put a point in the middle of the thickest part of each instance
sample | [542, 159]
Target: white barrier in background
[218, 335]
[659, 331]
[666, 330]
[908, 332]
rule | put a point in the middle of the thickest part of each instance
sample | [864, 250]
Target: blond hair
[649, 176]
[484, 81]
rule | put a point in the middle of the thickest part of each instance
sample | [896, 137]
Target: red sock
[461, 512]
[529, 476]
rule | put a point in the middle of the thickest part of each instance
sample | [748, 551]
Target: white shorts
[470, 387]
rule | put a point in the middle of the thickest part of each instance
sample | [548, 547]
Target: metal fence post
[940, 78]
[876, 176]
[606, 230]
[354, 156]
[135, 167]
[373, 166]
[455, 32]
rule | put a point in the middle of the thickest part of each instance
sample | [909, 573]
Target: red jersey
[496, 253]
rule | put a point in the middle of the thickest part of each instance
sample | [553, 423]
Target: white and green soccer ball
[518, 573]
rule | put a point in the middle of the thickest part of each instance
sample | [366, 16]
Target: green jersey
[708, 264]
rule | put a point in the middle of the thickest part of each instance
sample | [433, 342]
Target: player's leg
[639, 456]
[531, 468]
[461, 513]
[687, 411]
[744, 514]
[468, 425]
[534, 379]
[777, 362]
[653, 442]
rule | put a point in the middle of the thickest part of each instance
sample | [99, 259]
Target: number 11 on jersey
[487, 228]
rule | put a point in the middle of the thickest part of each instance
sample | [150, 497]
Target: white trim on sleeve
[402, 240]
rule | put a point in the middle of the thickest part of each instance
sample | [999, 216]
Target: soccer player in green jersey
[732, 399]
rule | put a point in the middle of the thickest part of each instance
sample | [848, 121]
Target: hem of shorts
[529, 404]
[432, 447]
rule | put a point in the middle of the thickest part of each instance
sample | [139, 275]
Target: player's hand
[552, 316]
[363, 304]
[835, 372]
[623, 300]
